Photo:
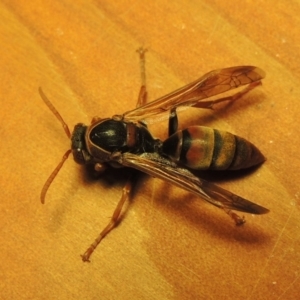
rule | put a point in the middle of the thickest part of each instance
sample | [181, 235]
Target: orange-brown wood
[170, 244]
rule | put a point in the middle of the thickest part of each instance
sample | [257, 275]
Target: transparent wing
[157, 166]
[211, 84]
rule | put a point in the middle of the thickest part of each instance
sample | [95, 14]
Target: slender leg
[114, 221]
[116, 217]
[142, 99]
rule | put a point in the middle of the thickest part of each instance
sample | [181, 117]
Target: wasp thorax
[109, 135]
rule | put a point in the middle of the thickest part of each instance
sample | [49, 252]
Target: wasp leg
[142, 98]
[211, 103]
[173, 121]
[114, 221]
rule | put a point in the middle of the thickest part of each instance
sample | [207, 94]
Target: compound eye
[78, 156]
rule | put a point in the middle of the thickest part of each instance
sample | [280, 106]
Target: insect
[125, 141]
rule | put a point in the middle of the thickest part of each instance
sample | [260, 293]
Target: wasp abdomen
[203, 148]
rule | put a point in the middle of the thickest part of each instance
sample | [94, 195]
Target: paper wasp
[125, 141]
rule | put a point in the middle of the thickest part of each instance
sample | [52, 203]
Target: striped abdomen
[202, 148]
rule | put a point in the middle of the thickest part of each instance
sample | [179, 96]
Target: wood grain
[170, 244]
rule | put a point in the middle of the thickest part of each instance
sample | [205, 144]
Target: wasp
[125, 141]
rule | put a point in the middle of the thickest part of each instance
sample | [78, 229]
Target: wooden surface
[170, 244]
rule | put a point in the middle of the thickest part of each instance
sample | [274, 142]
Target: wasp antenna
[55, 112]
[53, 175]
